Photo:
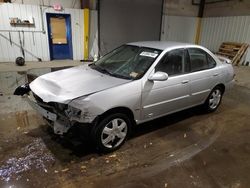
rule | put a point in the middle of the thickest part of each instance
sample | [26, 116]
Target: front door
[164, 97]
[59, 34]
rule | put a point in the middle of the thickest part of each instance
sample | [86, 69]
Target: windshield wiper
[121, 76]
[105, 71]
[100, 69]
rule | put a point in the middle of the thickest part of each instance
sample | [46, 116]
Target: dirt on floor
[186, 149]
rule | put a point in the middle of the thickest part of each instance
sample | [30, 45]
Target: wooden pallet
[233, 51]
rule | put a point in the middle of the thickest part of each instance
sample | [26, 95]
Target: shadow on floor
[75, 145]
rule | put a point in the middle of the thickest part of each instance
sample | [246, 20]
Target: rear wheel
[214, 99]
[111, 132]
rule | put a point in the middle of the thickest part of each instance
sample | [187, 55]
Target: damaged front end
[22, 90]
[61, 117]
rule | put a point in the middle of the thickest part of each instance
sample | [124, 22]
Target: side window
[200, 60]
[211, 62]
[172, 63]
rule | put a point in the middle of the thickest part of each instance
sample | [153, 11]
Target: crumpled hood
[64, 85]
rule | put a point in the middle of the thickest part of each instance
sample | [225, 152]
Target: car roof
[162, 45]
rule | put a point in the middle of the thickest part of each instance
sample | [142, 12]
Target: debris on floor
[65, 170]
[33, 156]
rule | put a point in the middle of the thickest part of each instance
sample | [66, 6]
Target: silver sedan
[132, 84]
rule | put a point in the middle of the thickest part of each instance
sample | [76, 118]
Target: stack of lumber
[233, 51]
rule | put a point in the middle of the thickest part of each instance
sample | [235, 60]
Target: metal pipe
[84, 4]
[162, 10]
[16, 31]
[201, 8]
[41, 13]
[199, 20]
[212, 2]
[98, 27]
[86, 33]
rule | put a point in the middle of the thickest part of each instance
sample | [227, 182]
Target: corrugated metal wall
[64, 3]
[216, 30]
[37, 42]
[93, 34]
[178, 28]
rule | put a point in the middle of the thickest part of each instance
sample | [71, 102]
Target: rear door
[203, 75]
[163, 97]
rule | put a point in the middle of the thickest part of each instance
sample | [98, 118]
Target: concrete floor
[10, 67]
[186, 149]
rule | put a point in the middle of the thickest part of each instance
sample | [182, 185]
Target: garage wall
[123, 21]
[178, 28]
[228, 8]
[216, 30]
[180, 8]
[64, 3]
[36, 41]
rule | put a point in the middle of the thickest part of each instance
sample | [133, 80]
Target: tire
[111, 132]
[214, 99]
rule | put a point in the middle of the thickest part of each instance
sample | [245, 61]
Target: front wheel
[111, 132]
[214, 99]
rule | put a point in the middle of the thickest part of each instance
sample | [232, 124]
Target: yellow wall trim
[198, 30]
[86, 33]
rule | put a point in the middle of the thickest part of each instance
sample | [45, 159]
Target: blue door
[59, 34]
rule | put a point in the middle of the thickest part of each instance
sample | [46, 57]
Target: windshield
[128, 62]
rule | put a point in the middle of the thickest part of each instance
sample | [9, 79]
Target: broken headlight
[78, 109]
[72, 112]
[61, 107]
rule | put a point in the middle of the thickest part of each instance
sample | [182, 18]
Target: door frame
[68, 32]
[147, 87]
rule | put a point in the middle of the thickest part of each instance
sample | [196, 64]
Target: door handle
[216, 74]
[185, 81]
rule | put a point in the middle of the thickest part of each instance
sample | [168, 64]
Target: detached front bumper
[60, 125]
[45, 113]
[61, 117]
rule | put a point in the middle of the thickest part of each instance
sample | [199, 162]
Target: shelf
[22, 24]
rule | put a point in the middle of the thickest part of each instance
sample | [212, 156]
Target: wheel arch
[123, 110]
[222, 86]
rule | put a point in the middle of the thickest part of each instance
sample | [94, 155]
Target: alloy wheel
[215, 99]
[114, 133]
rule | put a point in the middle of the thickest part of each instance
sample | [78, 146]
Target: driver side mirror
[158, 76]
